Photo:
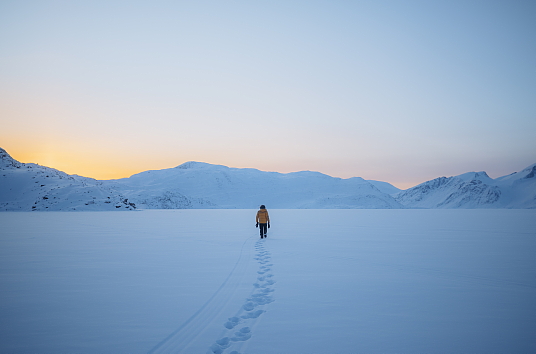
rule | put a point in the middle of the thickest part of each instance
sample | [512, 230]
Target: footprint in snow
[261, 296]
[249, 306]
[232, 323]
[258, 299]
[266, 284]
[243, 335]
[253, 314]
[220, 345]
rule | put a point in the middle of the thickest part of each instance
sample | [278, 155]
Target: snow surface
[324, 281]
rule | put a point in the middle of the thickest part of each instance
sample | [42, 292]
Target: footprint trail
[238, 329]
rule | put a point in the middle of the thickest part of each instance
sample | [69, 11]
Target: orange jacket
[262, 216]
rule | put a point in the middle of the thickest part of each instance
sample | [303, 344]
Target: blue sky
[399, 91]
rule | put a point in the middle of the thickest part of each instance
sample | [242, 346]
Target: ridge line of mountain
[27, 186]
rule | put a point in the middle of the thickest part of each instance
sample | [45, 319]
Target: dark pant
[263, 228]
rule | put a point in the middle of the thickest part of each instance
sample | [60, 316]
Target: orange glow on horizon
[104, 166]
[92, 166]
[79, 167]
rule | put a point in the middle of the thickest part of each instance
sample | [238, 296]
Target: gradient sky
[398, 91]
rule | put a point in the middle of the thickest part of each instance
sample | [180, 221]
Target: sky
[396, 91]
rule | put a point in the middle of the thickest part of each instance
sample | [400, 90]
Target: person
[263, 220]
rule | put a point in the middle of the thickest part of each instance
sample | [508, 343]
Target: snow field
[324, 281]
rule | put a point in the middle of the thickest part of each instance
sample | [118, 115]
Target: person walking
[263, 219]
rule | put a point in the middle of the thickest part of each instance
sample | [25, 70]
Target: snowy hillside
[202, 185]
[198, 185]
[474, 190]
[26, 187]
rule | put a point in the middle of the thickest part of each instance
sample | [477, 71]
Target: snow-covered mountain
[202, 185]
[27, 186]
[474, 190]
[198, 185]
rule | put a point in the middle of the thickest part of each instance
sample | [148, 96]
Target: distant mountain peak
[471, 176]
[527, 173]
[531, 171]
[194, 165]
[7, 161]
[481, 174]
[474, 190]
[26, 186]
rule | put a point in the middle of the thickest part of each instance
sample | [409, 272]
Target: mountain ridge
[193, 185]
[474, 190]
[32, 187]
[204, 185]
